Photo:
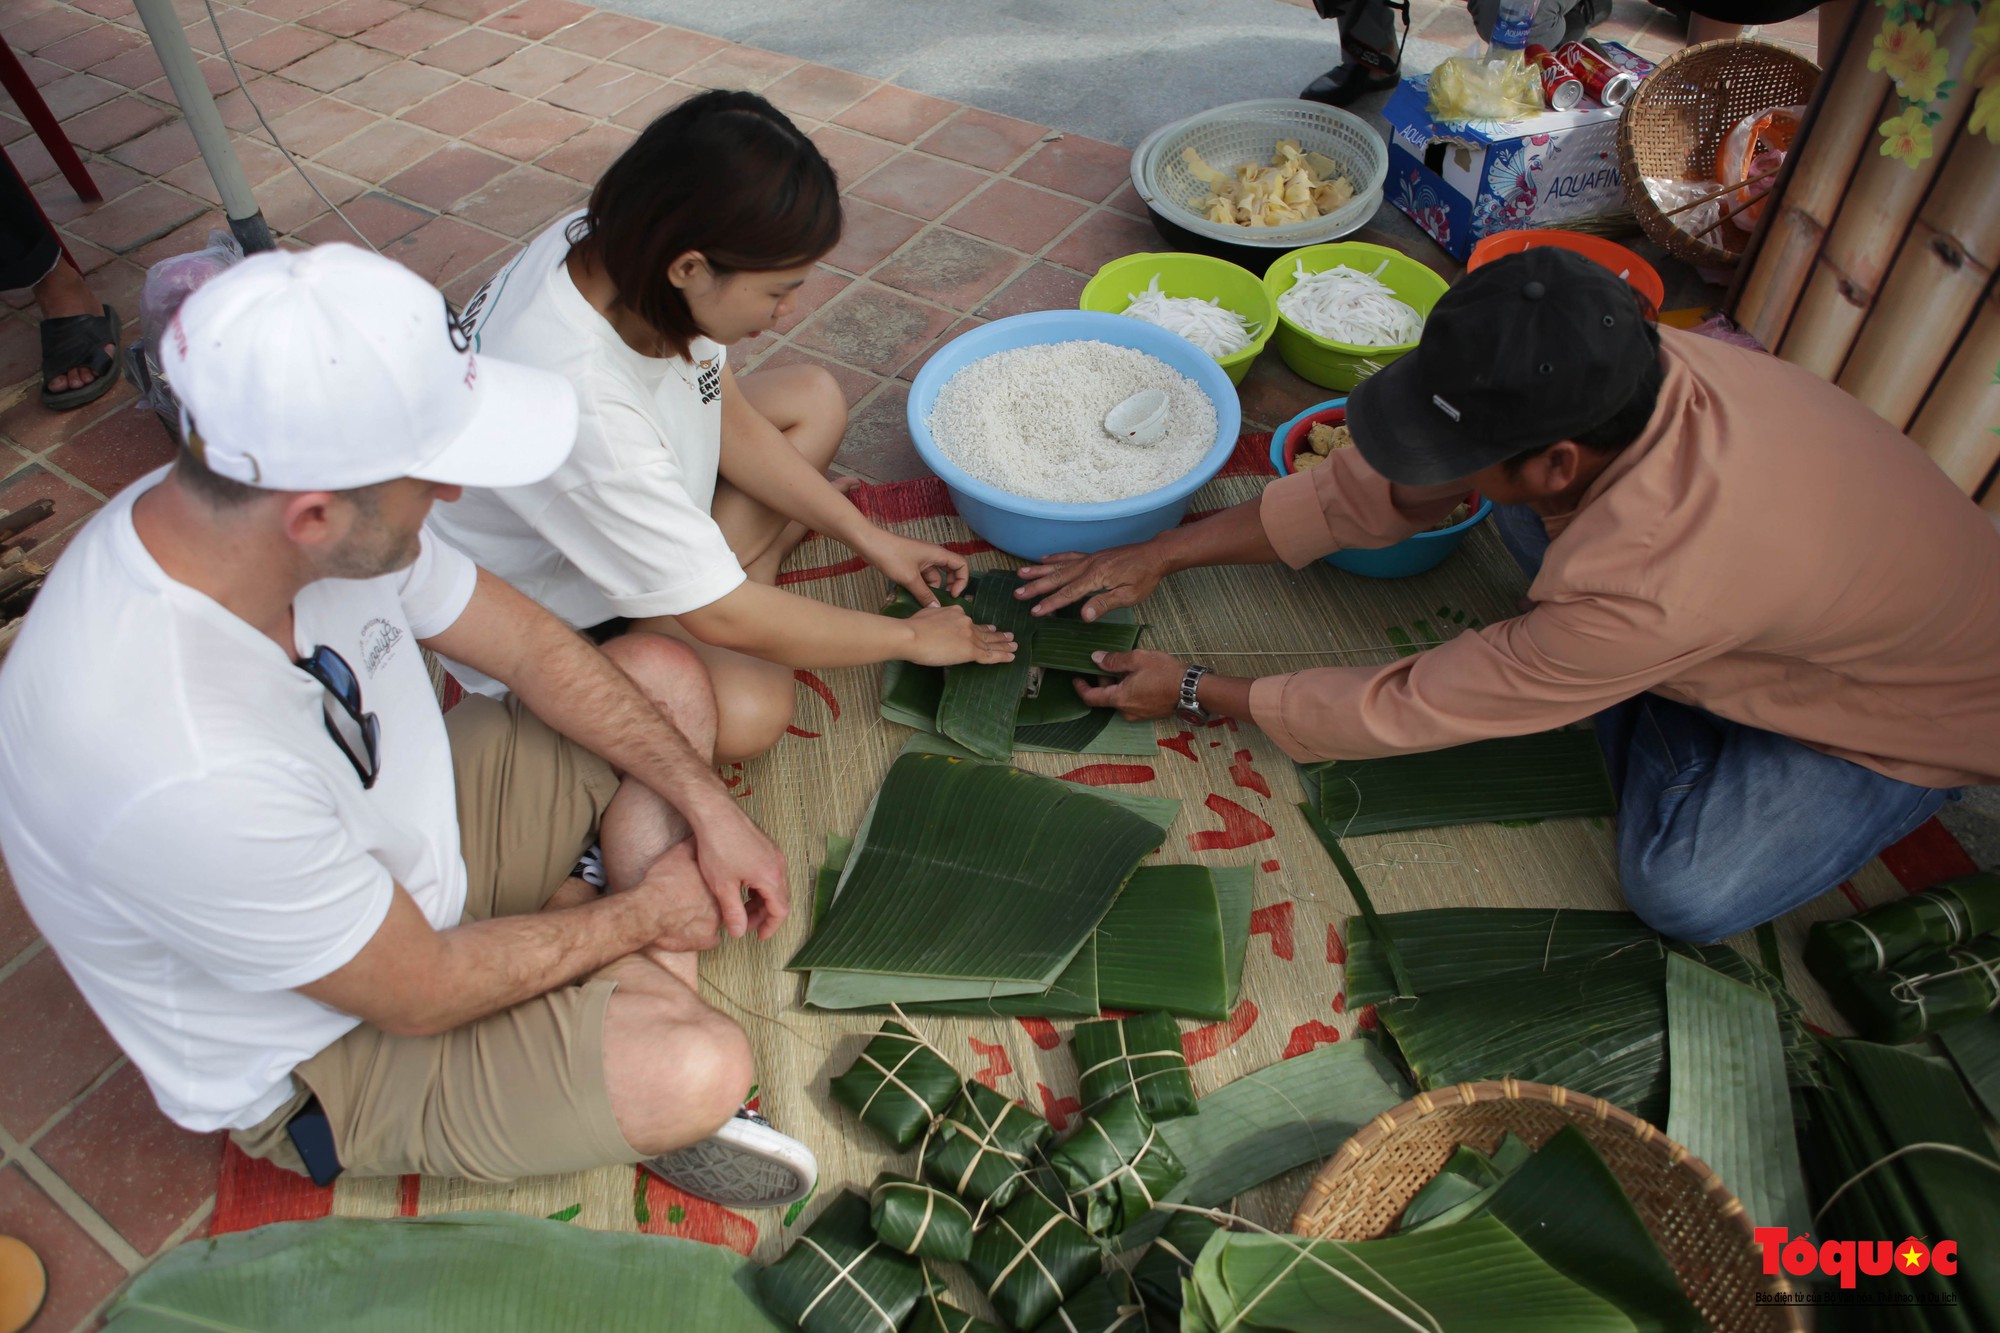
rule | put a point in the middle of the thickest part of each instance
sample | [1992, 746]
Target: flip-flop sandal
[23, 1285]
[745, 1164]
[77, 342]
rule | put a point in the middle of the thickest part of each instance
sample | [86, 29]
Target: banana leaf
[1175, 939]
[1505, 1161]
[1169, 1260]
[1140, 1056]
[1728, 1103]
[984, 1146]
[1467, 1175]
[836, 1278]
[1160, 811]
[1940, 917]
[1558, 774]
[1063, 643]
[919, 1219]
[1032, 1258]
[1108, 1305]
[1566, 1206]
[1116, 1166]
[1037, 865]
[1051, 699]
[937, 1315]
[980, 702]
[1926, 993]
[1476, 1275]
[458, 1273]
[1100, 731]
[1975, 1048]
[898, 1086]
[1274, 1119]
[1072, 995]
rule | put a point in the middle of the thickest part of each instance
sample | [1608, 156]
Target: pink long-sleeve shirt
[1768, 549]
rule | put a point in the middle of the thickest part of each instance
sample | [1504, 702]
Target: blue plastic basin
[1412, 555]
[1039, 528]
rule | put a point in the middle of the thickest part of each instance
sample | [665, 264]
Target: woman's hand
[1120, 576]
[921, 567]
[946, 636]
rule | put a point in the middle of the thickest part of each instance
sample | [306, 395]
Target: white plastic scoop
[1142, 418]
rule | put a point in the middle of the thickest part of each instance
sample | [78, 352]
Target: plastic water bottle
[1510, 27]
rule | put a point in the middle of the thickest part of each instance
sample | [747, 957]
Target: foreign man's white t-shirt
[622, 528]
[184, 830]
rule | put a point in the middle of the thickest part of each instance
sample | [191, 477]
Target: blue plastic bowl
[1039, 528]
[1412, 555]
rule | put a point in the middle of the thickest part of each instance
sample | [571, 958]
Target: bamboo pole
[1934, 288]
[1864, 240]
[1956, 425]
[1835, 140]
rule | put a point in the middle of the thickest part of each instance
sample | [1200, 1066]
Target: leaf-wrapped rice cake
[1108, 1305]
[1115, 1166]
[937, 1315]
[1923, 994]
[984, 1145]
[1032, 1258]
[839, 1278]
[898, 1086]
[1140, 1055]
[920, 1219]
[1941, 917]
[1161, 1269]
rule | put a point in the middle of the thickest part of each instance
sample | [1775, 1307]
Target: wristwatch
[1189, 708]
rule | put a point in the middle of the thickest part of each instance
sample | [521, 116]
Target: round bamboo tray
[1678, 118]
[1699, 1225]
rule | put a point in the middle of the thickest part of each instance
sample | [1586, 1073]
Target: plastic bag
[168, 283]
[1755, 148]
[1474, 86]
[1700, 221]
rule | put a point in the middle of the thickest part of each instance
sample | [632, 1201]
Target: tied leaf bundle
[839, 1278]
[936, 1315]
[984, 1146]
[1108, 1305]
[898, 1085]
[1942, 917]
[1116, 1166]
[1140, 1056]
[1031, 1259]
[1164, 1267]
[1555, 775]
[919, 1219]
[1923, 994]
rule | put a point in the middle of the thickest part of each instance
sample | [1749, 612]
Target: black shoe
[1346, 82]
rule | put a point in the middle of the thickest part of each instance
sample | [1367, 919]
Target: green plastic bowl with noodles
[1337, 365]
[1228, 285]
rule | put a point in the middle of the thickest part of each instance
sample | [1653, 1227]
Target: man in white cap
[314, 911]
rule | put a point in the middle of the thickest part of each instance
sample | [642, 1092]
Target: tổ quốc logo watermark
[1849, 1260]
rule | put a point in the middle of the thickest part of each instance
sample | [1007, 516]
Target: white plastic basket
[1229, 136]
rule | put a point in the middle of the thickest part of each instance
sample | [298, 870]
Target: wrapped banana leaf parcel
[1140, 1056]
[1032, 1258]
[1115, 1166]
[1109, 1305]
[1554, 775]
[898, 1086]
[919, 1219]
[1941, 917]
[1925, 993]
[984, 1146]
[937, 1315]
[973, 872]
[1572, 998]
[1170, 1259]
[840, 1278]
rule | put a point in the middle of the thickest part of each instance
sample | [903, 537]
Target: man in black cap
[1782, 615]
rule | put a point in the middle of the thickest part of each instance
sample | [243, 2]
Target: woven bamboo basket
[1699, 1225]
[1678, 118]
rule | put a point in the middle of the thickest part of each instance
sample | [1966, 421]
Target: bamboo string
[1881, 1162]
[1305, 1252]
[845, 1274]
[1906, 990]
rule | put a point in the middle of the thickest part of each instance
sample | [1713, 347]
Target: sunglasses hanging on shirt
[358, 734]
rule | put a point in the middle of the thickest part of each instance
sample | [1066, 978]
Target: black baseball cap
[1519, 354]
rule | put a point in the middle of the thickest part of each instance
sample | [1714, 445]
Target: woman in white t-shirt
[688, 486]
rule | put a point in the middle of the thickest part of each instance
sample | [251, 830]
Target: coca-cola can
[1601, 79]
[1619, 56]
[1561, 89]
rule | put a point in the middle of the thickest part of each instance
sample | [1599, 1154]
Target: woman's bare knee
[752, 714]
[676, 1070]
[669, 673]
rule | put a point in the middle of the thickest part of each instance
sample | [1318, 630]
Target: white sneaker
[745, 1164]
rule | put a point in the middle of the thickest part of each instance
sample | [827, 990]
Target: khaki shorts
[520, 1093]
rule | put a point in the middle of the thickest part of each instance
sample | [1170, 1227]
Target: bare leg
[675, 1068]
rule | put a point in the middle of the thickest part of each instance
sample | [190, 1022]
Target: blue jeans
[1722, 826]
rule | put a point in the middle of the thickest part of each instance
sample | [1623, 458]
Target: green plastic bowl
[1333, 365]
[1217, 280]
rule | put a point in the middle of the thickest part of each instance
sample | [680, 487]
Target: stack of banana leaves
[1571, 998]
[1027, 704]
[1916, 965]
[1514, 779]
[976, 888]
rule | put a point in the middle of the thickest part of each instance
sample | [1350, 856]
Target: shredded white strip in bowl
[1209, 325]
[1345, 305]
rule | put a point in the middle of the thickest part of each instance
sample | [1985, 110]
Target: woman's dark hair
[1623, 426]
[723, 173]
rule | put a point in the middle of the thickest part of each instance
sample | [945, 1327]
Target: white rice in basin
[1030, 421]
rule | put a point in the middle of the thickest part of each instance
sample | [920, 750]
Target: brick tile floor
[451, 130]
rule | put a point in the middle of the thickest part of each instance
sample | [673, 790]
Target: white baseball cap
[332, 368]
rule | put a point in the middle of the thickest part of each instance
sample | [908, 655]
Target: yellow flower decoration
[1892, 47]
[1906, 137]
[1924, 68]
[1986, 112]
